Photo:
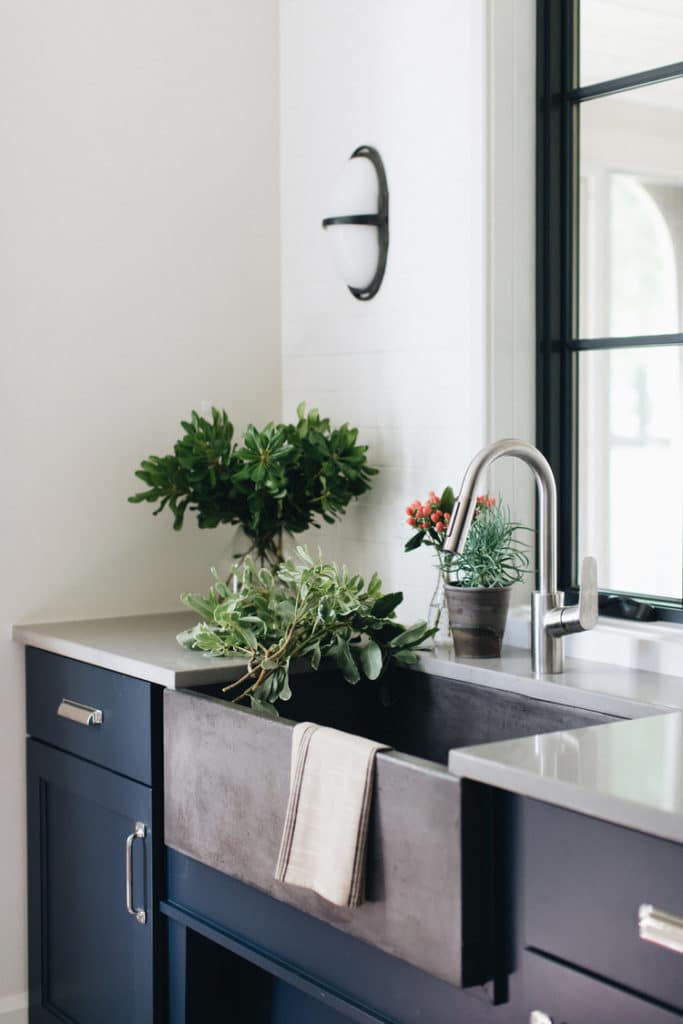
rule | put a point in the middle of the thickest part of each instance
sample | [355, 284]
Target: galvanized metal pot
[477, 617]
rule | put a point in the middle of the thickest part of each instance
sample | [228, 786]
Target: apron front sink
[430, 892]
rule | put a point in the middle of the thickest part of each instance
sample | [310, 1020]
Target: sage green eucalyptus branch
[309, 609]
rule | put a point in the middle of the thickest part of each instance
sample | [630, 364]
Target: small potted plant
[474, 586]
[276, 481]
[478, 581]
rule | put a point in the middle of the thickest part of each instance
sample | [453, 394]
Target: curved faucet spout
[473, 484]
[550, 619]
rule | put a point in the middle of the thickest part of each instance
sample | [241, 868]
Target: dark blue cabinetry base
[89, 959]
[306, 963]
[301, 970]
[565, 896]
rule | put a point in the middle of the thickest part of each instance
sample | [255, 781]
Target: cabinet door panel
[567, 996]
[584, 882]
[89, 960]
[291, 1006]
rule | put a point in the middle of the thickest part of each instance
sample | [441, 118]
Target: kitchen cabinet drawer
[567, 996]
[122, 740]
[584, 882]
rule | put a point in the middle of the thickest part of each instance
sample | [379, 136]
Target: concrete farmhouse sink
[430, 888]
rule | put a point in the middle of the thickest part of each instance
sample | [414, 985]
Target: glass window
[631, 196]
[610, 291]
[630, 459]
[624, 37]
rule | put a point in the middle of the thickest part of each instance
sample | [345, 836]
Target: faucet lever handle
[578, 618]
[588, 594]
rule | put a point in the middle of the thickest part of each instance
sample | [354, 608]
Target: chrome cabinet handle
[79, 713]
[661, 928]
[139, 832]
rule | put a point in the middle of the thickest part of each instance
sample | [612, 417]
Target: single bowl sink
[430, 895]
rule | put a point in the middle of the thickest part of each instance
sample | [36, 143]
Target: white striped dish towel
[324, 839]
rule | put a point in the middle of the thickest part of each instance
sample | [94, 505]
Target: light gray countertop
[593, 685]
[629, 772]
[143, 646]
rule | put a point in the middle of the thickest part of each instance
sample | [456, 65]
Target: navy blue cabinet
[122, 931]
[89, 958]
[568, 996]
[95, 844]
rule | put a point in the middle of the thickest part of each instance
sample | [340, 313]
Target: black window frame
[559, 97]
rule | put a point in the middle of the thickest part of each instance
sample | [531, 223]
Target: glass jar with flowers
[430, 520]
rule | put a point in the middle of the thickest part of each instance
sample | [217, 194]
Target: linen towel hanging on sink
[324, 839]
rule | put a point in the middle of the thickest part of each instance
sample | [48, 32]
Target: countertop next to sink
[143, 646]
[629, 773]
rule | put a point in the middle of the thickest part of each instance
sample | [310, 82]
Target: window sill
[650, 646]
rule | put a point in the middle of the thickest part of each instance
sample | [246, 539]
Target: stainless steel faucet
[551, 620]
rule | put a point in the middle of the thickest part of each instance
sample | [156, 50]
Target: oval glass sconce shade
[359, 231]
[355, 250]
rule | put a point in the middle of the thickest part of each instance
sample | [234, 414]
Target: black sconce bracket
[380, 220]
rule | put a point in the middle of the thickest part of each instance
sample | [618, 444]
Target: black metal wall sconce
[362, 256]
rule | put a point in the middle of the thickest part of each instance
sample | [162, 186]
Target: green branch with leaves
[279, 480]
[309, 609]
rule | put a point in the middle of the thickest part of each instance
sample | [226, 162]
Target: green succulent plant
[283, 478]
[494, 555]
[308, 609]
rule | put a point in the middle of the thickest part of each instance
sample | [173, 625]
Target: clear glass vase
[437, 615]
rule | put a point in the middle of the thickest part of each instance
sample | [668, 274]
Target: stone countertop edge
[143, 646]
[626, 773]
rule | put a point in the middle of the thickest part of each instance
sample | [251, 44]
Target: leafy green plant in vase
[308, 609]
[273, 482]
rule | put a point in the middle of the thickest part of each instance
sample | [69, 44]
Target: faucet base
[547, 654]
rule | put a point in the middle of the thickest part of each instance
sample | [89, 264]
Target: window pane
[622, 37]
[631, 468]
[631, 213]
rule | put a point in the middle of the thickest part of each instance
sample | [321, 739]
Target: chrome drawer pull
[661, 928]
[138, 833]
[79, 713]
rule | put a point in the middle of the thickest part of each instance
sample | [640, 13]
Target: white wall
[408, 368]
[510, 267]
[138, 279]
[140, 250]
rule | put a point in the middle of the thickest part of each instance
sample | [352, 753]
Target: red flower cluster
[485, 501]
[426, 515]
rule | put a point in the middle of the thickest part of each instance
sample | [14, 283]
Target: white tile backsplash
[407, 368]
